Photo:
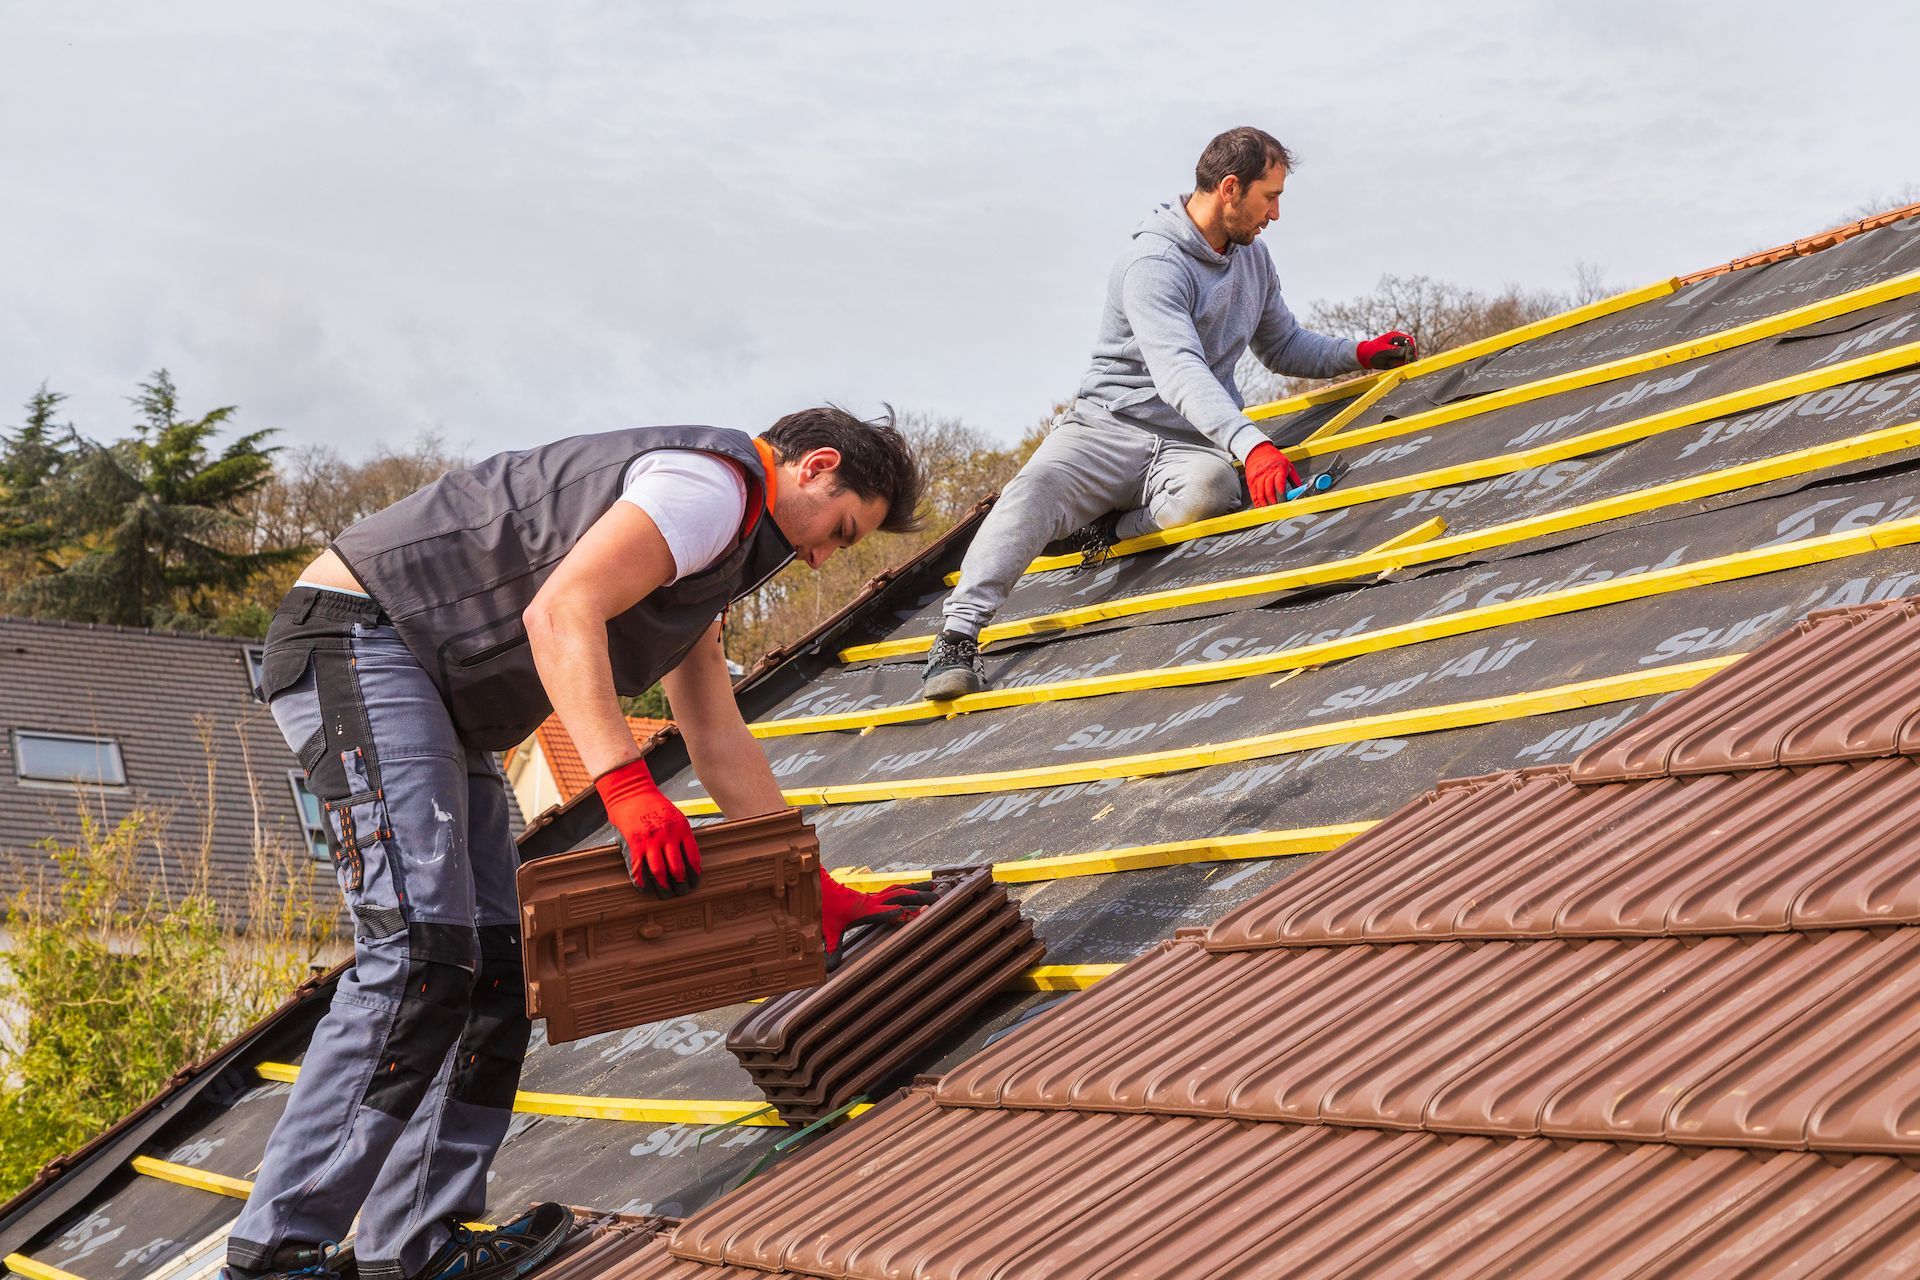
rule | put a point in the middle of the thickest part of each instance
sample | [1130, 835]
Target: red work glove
[1388, 351]
[842, 908]
[662, 857]
[1269, 475]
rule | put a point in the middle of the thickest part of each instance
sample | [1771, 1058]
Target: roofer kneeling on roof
[1157, 424]
[431, 636]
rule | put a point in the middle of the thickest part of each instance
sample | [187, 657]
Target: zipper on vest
[493, 651]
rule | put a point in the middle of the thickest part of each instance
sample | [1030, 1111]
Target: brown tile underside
[601, 955]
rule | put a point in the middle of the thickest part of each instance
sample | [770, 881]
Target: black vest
[456, 564]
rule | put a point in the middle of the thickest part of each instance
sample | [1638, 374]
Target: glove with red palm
[1388, 351]
[1270, 475]
[662, 856]
[842, 908]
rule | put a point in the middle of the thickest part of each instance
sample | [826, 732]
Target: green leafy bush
[118, 975]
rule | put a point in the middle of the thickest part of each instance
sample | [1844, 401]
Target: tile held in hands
[603, 956]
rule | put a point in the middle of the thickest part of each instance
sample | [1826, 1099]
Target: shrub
[119, 975]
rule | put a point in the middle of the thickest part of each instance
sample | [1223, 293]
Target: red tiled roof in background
[1650, 1014]
[563, 758]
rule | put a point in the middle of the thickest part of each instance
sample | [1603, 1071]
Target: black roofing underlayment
[131, 1225]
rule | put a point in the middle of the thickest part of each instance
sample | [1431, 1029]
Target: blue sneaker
[511, 1250]
[293, 1262]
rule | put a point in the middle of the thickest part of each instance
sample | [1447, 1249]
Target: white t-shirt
[697, 501]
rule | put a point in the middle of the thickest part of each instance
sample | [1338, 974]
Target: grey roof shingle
[202, 757]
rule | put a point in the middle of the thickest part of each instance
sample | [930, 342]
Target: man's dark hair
[1246, 153]
[875, 461]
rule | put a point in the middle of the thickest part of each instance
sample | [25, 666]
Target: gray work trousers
[408, 1082]
[1080, 472]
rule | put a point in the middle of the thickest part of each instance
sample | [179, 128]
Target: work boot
[305, 1261]
[1095, 541]
[498, 1253]
[953, 668]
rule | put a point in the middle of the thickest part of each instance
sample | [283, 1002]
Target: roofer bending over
[431, 636]
[1157, 424]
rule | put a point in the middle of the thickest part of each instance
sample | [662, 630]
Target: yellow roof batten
[1319, 443]
[20, 1264]
[1259, 844]
[188, 1176]
[1691, 488]
[1473, 350]
[1566, 697]
[1064, 977]
[1635, 586]
[632, 1110]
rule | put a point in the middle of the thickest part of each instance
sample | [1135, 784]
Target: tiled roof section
[603, 956]
[1781, 1040]
[1842, 685]
[1009, 1193]
[633, 1252]
[1828, 846]
[1558, 1021]
[1809, 244]
[570, 774]
[899, 993]
[1781, 794]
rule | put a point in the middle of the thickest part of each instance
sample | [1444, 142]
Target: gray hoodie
[1176, 319]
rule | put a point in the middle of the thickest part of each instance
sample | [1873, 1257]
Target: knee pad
[486, 1070]
[433, 1008]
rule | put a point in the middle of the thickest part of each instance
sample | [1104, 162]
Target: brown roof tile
[1819, 847]
[1651, 1015]
[1841, 685]
[602, 956]
[1072, 1194]
[634, 1253]
[1615, 1039]
[812, 1051]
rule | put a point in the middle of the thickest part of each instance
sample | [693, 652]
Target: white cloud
[508, 222]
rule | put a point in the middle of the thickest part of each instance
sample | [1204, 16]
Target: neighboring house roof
[1539, 540]
[193, 749]
[1649, 1014]
[570, 774]
[546, 771]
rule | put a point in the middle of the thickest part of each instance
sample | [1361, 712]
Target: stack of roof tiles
[1651, 1014]
[898, 993]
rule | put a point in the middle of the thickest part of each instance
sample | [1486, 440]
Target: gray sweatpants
[408, 1082]
[1080, 472]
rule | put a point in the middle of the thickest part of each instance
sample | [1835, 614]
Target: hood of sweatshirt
[1169, 221]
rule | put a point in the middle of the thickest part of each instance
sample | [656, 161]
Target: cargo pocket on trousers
[280, 670]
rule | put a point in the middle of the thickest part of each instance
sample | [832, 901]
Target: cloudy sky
[505, 222]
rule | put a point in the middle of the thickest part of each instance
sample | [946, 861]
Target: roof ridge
[117, 628]
[1806, 245]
